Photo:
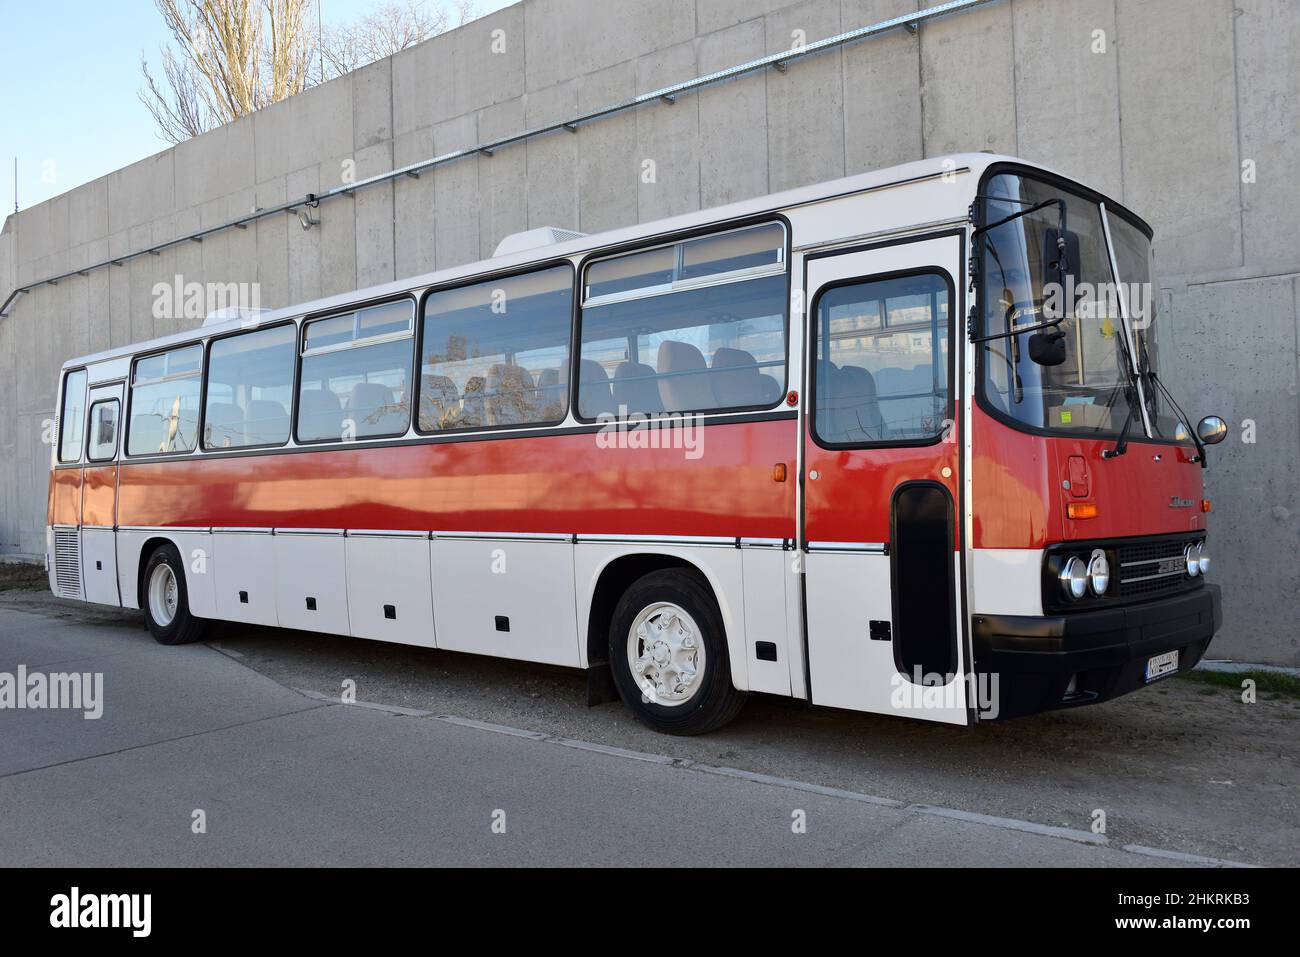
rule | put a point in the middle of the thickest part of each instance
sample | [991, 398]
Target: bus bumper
[1104, 652]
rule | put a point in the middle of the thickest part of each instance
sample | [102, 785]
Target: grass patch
[24, 575]
[1266, 682]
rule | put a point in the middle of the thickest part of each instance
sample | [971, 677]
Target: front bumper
[1106, 651]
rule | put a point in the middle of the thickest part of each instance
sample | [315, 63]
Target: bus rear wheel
[668, 652]
[165, 601]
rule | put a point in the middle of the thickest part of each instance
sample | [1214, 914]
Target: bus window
[103, 431]
[496, 354]
[356, 371]
[71, 420]
[249, 389]
[699, 326]
[165, 402]
[882, 361]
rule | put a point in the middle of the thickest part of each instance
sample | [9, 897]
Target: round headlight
[1192, 559]
[1098, 572]
[1202, 559]
[1074, 577]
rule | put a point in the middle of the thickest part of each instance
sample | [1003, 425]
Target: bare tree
[391, 28]
[233, 57]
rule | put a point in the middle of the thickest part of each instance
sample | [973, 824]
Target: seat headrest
[370, 395]
[690, 389]
[725, 358]
[318, 401]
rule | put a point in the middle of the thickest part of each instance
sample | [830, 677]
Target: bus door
[99, 494]
[881, 480]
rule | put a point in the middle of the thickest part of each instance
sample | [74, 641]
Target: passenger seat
[473, 413]
[320, 415]
[439, 403]
[552, 400]
[266, 422]
[636, 388]
[737, 381]
[223, 426]
[373, 411]
[686, 386]
[594, 395]
[510, 396]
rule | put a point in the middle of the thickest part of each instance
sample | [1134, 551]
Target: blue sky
[69, 79]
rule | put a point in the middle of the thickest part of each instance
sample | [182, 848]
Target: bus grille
[67, 562]
[1153, 568]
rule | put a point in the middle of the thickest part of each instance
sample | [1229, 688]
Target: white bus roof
[974, 163]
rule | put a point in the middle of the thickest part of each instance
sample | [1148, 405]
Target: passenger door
[99, 494]
[881, 480]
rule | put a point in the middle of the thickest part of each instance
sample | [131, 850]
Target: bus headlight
[1191, 556]
[1074, 578]
[1202, 559]
[1098, 572]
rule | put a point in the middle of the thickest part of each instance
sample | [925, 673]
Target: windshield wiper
[1121, 444]
[1149, 374]
[1182, 417]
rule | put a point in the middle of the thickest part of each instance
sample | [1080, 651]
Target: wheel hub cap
[164, 596]
[665, 654]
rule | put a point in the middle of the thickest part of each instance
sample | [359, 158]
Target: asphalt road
[249, 731]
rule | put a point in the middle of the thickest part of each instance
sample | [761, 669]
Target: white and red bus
[896, 443]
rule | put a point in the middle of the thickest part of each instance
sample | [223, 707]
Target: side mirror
[1212, 430]
[1048, 348]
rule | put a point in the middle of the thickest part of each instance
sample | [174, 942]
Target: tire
[167, 611]
[676, 611]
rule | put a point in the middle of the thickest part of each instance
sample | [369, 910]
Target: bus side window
[71, 421]
[249, 389]
[102, 445]
[698, 326]
[496, 353]
[356, 370]
[165, 402]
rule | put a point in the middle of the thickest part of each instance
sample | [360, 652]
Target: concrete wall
[1184, 93]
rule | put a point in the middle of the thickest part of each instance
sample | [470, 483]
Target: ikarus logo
[76, 909]
[1177, 502]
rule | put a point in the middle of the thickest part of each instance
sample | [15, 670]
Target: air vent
[67, 562]
[535, 238]
[247, 315]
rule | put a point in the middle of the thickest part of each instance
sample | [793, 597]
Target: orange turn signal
[1081, 510]
[1206, 506]
[778, 472]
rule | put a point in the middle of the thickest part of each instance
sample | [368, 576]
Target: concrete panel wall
[1156, 102]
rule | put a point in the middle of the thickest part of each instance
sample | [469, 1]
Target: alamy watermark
[931, 691]
[1100, 300]
[72, 691]
[179, 299]
[639, 430]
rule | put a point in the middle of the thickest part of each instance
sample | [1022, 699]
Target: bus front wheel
[165, 601]
[668, 652]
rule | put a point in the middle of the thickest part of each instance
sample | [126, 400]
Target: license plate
[1160, 665]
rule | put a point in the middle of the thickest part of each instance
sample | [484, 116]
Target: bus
[897, 443]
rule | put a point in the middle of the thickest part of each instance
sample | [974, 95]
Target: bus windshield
[1093, 391]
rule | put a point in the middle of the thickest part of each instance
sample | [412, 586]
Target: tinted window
[165, 402]
[250, 389]
[882, 361]
[72, 418]
[356, 375]
[713, 337]
[497, 353]
[103, 431]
